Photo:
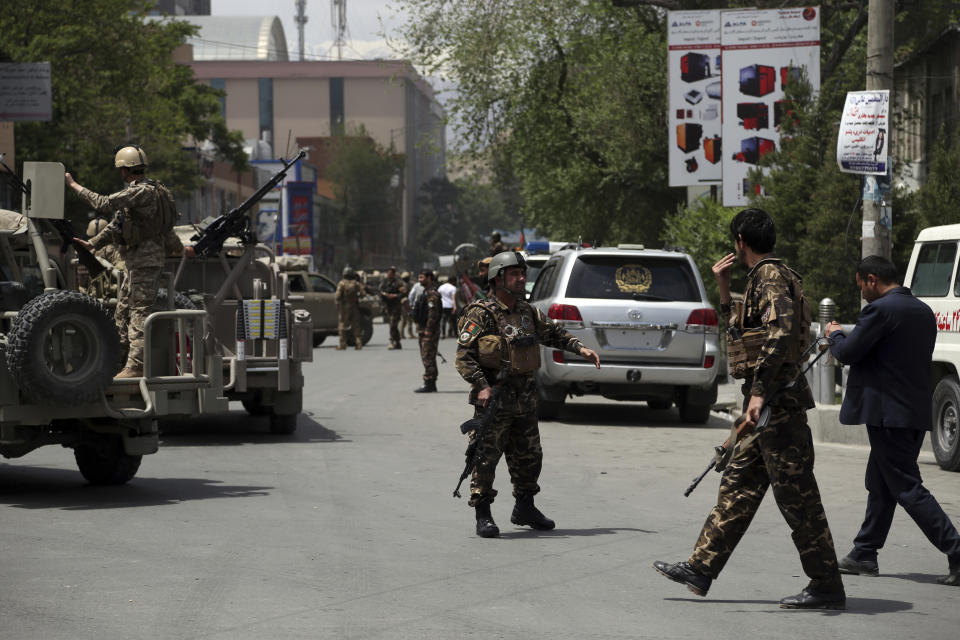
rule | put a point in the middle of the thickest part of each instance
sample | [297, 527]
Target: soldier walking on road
[393, 292]
[349, 292]
[427, 314]
[504, 330]
[771, 324]
[143, 217]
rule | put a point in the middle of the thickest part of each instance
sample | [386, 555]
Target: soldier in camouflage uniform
[406, 319]
[99, 289]
[782, 455]
[505, 331]
[393, 293]
[143, 218]
[427, 313]
[347, 297]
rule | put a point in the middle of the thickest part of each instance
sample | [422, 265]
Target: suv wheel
[945, 438]
[694, 413]
[318, 339]
[366, 322]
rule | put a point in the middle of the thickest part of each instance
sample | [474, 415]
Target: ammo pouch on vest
[744, 351]
[490, 351]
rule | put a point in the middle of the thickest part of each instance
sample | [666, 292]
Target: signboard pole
[877, 219]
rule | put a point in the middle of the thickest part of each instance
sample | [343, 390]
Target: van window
[934, 269]
[632, 277]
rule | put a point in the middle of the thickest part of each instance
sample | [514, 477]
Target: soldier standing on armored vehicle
[349, 292]
[143, 217]
[498, 332]
[393, 292]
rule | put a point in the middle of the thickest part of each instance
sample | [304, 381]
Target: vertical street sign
[693, 55]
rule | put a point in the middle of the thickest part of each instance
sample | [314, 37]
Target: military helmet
[495, 237]
[130, 156]
[405, 275]
[96, 226]
[503, 260]
[348, 272]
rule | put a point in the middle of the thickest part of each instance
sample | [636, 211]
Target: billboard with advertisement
[761, 51]
[298, 225]
[693, 40]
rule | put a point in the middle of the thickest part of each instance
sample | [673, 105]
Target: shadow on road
[29, 487]
[862, 606]
[628, 414]
[236, 428]
[569, 533]
[924, 578]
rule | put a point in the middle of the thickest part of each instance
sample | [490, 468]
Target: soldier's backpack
[166, 207]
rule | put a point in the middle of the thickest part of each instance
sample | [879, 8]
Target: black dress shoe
[858, 567]
[810, 598]
[683, 573]
[954, 578]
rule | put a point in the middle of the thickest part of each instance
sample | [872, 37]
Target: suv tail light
[566, 315]
[702, 319]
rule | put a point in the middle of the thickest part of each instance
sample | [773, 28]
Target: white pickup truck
[932, 276]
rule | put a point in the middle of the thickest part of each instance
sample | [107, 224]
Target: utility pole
[301, 20]
[877, 200]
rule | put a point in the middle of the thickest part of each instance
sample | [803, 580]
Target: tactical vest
[154, 227]
[516, 342]
[744, 345]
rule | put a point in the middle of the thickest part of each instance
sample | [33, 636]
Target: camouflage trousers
[781, 458]
[347, 317]
[135, 301]
[428, 355]
[406, 322]
[515, 435]
[392, 313]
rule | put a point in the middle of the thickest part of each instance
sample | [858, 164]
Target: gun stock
[236, 223]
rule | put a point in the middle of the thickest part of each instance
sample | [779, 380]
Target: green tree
[113, 81]
[366, 176]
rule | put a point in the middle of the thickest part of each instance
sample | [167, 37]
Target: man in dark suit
[889, 389]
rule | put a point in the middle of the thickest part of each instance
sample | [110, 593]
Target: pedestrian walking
[348, 294]
[447, 291]
[890, 351]
[141, 232]
[506, 331]
[772, 322]
[392, 293]
[427, 312]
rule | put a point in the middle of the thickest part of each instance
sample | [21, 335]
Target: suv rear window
[934, 269]
[633, 278]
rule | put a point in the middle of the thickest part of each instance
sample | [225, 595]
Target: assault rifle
[236, 222]
[65, 228]
[741, 436]
[474, 452]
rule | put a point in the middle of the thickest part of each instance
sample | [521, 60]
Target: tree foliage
[114, 81]
[365, 177]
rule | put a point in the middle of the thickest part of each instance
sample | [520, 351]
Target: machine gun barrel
[235, 223]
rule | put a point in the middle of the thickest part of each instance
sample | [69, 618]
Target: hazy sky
[364, 25]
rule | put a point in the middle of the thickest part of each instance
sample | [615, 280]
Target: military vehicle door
[323, 289]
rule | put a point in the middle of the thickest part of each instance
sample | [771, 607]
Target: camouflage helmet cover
[504, 260]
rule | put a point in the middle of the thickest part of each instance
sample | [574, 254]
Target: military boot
[429, 386]
[486, 527]
[524, 513]
[132, 370]
[359, 344]
[343, 343]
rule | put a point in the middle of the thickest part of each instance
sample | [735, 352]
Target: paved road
[348, 530]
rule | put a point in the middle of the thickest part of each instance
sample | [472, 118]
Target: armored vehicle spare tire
[63, 348]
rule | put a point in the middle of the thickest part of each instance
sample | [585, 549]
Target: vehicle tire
[318, 339]
[102, 461]
[255, 407]
[367, 325]
[283, 425]
[694, 413]
[660, 405]
[63, 348]
[945, 436]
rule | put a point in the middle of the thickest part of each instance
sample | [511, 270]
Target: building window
[336, 107]
[221, 84]
[266, 110]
